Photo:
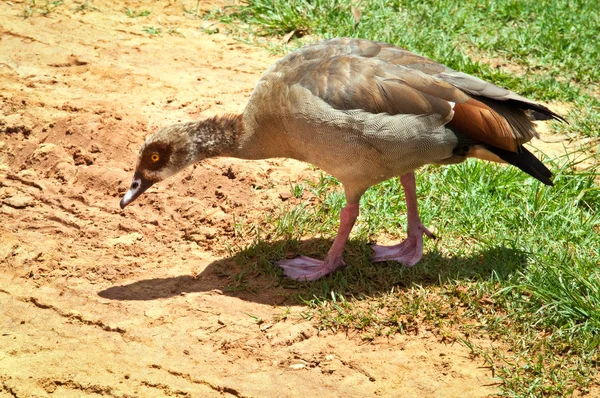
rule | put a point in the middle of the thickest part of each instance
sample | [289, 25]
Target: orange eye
[155, 157]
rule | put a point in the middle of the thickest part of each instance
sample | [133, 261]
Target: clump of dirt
[99, 301]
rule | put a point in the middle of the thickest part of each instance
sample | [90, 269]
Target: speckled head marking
[155, 156]
[162, 155]
[177, 146]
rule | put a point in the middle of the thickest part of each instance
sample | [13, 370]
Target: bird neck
[216, 136]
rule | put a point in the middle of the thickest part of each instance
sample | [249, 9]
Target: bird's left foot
[304, 268]
[408, 252]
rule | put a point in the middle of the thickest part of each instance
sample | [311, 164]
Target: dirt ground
[95, 301]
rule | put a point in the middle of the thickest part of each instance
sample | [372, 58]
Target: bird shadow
[252, 274]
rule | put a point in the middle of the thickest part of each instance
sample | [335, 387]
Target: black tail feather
[526, 161]
[538, 111]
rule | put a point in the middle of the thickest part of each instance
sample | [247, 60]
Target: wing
[381, 78]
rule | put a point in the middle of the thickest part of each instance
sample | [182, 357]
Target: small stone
[127, 239]
[31, 174]
[65, 171]
[208, 232]
[154, 313]
[219, 194]
[19, 201]
[285, 195]
[82, 158]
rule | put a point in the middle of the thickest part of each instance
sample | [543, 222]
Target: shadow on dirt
[252, 274]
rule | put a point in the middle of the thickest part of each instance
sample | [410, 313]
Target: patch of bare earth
[581, 151]
[99, 301]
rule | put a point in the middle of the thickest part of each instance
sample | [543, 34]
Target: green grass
[157, 31]
[175, 32]
[556, 37]
[131, 13]
[45, 8]
[84, 7]
[517, 262]
[32, 7]
[152, 30]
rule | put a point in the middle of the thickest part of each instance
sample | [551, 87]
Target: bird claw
[408, 252]
[427, 232]
[408, 255]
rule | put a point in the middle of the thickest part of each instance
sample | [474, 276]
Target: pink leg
[410, 251]
[307, 269]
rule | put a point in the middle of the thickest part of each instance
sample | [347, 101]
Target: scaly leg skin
[304, 268]
[410, 251]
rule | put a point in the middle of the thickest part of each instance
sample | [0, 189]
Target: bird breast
[352, 145]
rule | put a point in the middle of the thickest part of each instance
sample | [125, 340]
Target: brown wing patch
[479, 121]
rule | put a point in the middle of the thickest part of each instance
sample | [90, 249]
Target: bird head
[163, 154]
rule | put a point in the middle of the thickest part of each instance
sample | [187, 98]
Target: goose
[364, 112]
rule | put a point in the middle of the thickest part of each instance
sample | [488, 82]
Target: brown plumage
[479, 121]
[364, 112]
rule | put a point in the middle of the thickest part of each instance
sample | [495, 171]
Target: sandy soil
[95, 301]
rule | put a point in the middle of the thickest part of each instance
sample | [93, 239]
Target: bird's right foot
[304, 268]
[408, 252]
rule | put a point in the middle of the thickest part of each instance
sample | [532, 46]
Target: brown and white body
[363, 112]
